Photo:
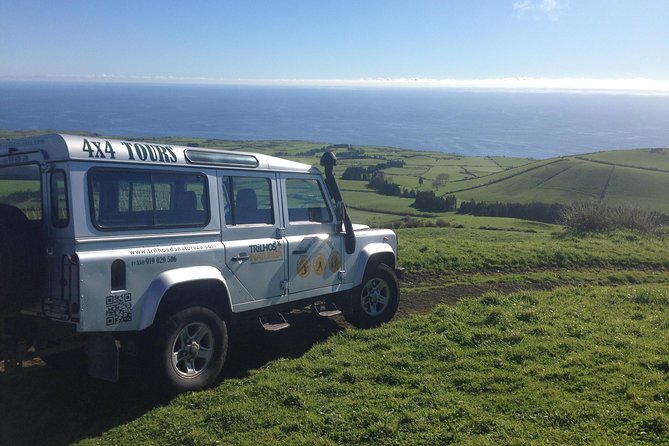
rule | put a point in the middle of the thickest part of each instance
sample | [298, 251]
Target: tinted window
[59, 205]
[247, 200]
[20, 187]
[132, 199]
[306, 201]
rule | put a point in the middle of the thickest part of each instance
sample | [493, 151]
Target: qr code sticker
[119, 308]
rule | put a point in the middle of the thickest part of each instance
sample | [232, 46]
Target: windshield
[20, 187]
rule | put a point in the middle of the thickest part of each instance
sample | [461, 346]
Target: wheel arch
[371, 256]
[186, 287]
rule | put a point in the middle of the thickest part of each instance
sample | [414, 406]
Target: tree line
[544, 212]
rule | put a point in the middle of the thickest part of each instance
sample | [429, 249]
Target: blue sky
[310, 40]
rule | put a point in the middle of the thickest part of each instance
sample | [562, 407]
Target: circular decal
[303, 266]
[320, 264]
[334, 261]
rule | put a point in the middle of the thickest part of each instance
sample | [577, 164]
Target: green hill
[631, 177]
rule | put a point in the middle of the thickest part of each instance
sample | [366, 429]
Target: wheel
[190, 348]
[20, 261]
[376, 300]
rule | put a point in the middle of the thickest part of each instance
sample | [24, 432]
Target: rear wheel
[376, 300]
[189, 349]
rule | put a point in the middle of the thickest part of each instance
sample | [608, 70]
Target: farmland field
[571, 179]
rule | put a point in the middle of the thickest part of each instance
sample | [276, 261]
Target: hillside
[636, 177]
[632, 177]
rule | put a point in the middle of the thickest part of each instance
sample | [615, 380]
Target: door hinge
[280, 233]
[285, 287]
[341, 275]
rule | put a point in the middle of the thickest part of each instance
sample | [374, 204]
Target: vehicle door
[314, 246]
[252, 232]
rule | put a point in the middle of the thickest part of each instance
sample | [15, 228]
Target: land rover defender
[106, 243]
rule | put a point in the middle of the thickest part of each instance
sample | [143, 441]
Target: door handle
[241, 257]
[300, 251]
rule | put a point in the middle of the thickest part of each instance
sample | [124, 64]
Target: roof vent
[221, 158]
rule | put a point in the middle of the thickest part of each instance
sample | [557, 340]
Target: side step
[273, 322]
[326, 309]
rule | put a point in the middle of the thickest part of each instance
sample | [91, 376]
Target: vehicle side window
[20, 186]
[122, 199]
[306, 201]
[247, 200]
[60, 215]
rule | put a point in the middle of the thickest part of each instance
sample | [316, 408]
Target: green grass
[450, 251]
[570, 366]
[654, 159]
[371, 201]
[375, 219]
[574, 178]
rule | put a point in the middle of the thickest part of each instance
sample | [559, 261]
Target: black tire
[20, 260]
[189, 349]
[376, 300]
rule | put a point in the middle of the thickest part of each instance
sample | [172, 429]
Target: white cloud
[583, 85]
[642, 86]
[548, 8]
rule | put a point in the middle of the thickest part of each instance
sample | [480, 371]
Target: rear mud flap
[103, 353]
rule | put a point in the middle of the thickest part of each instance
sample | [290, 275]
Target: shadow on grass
[57, 406]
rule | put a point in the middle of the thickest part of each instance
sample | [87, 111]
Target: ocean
[497, 123]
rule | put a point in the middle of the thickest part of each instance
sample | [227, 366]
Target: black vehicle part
[328, 161]
[20, 260]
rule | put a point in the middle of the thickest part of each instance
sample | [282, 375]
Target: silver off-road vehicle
[108, 244]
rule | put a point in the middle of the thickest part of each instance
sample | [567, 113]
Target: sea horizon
[477, 122]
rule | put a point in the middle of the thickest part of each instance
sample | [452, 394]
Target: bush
[383, 185]
[429, 202]
[591, 216]
[544, 212]
[357, 173]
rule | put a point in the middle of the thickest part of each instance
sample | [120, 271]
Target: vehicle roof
[62, 147]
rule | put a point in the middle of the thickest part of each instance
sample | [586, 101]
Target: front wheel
[376, 300]
[190, 348]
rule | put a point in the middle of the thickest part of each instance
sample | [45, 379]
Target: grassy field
[496, 244]
[570, 349]
[571, 366]
[651, 159]
[575, 178]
